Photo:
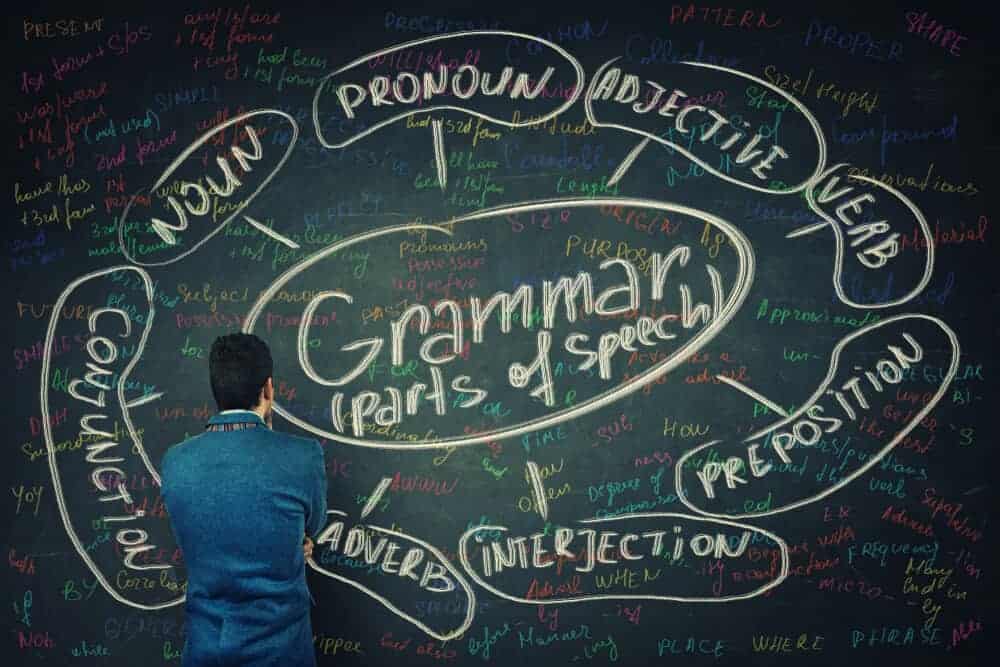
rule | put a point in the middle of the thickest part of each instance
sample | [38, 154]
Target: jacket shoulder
[178, 449]
[299, 443]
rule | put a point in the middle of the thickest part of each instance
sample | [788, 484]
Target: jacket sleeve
[316, 515]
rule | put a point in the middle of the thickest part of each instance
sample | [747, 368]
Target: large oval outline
[185, 154]
[801, 108]
[956, 351]
[782, 575]
[64, 512]
[741, 288]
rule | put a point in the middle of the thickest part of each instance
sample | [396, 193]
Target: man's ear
[267, 391]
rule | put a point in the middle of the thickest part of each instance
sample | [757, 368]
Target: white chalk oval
[245, 201]
[473, 34]
[781, 575]
[53, 456]
[439, 634]
[737, 294]
[813, 124]
[838, 262]
[871, 460]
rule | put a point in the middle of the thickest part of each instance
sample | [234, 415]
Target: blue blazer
[240, 502]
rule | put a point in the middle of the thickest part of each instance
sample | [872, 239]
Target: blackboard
[630, 336]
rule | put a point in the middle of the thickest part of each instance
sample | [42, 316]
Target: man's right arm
[316, 516]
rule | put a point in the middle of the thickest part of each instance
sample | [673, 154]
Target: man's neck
[258, 410]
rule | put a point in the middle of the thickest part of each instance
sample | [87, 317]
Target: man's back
[240, 502]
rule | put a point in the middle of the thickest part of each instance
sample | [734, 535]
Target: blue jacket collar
[239, 417]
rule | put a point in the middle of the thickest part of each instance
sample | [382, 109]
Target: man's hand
[307, 547]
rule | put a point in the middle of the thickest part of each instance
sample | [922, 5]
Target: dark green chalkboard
[630, 336]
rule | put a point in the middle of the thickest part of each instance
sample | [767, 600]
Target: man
[240, 498]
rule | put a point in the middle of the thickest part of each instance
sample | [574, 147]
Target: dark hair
[239, 366]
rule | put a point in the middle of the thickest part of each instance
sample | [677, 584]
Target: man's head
[241, 370]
